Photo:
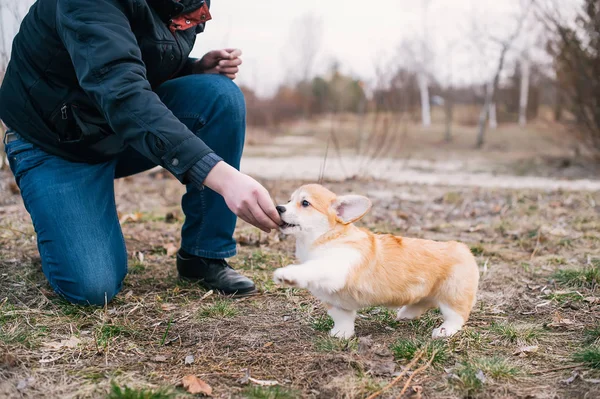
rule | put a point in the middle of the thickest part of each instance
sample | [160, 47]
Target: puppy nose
[280, 209]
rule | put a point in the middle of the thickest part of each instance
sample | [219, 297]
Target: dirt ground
[535, 331]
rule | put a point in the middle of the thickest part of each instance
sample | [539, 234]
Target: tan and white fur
[349, 268]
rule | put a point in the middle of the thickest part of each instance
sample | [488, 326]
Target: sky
[363, 36]
[360, 34]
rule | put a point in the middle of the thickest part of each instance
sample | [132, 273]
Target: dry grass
[537, 252]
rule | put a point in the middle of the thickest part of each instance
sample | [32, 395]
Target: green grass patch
[592, 335]
[219, 309]
[107, 333]
[477, 250]
[471, 376]
[427, 322]
[383, 316]
[117, 392]
[322, 323]
[588, 277]
[276, 392]
[515, 333]
[333, 344]
[407, 348]
[589, 356]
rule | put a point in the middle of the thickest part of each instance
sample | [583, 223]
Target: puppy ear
[350, 208]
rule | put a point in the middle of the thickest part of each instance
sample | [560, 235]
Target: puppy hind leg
[453, 322]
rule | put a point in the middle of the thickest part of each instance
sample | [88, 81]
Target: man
[97, 90]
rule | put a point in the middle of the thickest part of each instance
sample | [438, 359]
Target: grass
[592, 335]
[219, 309]
[588, 277]
[407, 348]
[107, 333]
[276, 392]
[333, 344]
[513, 333]
[156, 321]
[322, 323]
[471, 376]
[589, 356]
[117, 392]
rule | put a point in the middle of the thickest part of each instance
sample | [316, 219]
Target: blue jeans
[72, 205]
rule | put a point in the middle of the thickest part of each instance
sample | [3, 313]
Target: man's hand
[244, 196]
[225, 62]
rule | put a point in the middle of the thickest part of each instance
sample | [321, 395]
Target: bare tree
[300, 53]
[424, 69]
[524, 90]
[11, 14]
[490, 94]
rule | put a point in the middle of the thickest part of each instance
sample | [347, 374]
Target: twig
[557, 369]
[423, 367]
[395, 380]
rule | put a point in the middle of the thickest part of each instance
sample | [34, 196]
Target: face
[307, 211]
[314, 209]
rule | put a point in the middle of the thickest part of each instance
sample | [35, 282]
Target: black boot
[213, 274]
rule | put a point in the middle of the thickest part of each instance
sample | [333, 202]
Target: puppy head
[314, 209]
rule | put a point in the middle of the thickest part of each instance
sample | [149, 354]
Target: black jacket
[81, 76]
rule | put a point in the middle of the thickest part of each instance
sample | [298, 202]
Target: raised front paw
[285, 276]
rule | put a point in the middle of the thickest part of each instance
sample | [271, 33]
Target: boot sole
[235, 294]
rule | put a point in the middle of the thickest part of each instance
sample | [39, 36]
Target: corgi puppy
[349, 268]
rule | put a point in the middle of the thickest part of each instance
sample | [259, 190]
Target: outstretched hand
[244, 196]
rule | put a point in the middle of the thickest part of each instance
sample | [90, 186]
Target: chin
[289, 229]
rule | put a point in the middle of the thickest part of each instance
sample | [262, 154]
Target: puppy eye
[305, 203]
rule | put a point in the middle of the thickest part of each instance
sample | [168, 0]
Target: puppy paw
[444, 331]
[408, 313]
[342, 333]
[285, 277]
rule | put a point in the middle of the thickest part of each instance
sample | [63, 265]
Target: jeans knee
[96, 285]
[230, 99]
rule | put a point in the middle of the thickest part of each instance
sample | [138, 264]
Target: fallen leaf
[159, 359]
[524, 350]
[131, 218]
[189, 359]
[591, 299]
[140, 256]
[559, 321]
[268, 344]
[170, 248]
[65, 343]
[168, 307]
[14, 188]
[195, 385]
[592, 380]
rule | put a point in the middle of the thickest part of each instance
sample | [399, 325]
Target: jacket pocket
[75, 121]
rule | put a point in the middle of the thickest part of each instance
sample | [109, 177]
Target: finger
[229, 71]
[223, 54]
[231, 76]
[267, 206]
[260, 216]
[233, 53]
[247, 217]
[230, 63]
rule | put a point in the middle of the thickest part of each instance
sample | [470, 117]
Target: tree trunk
[449, 107]
[524, 92]
[493, 117]
[425, 105]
